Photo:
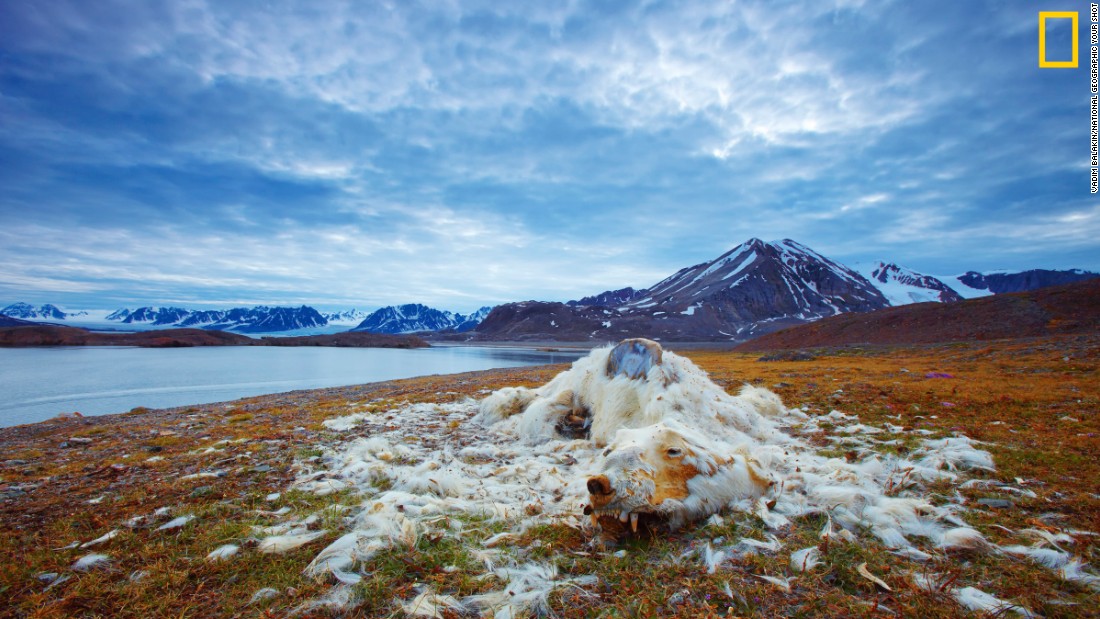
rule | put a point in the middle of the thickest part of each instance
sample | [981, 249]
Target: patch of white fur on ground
[433, 470]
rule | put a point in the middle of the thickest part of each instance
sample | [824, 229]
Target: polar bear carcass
[678, 447]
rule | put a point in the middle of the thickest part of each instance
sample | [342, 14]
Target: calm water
[39, 383]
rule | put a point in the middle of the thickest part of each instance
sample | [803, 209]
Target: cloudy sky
[358, 154]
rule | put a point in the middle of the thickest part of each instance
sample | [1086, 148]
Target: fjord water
[39, 383]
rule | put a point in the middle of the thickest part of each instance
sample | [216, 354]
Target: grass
[1034, 402]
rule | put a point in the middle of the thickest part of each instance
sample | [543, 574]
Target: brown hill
[57, 335]
[1072, 308]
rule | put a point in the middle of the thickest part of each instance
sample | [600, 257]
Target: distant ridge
[259, 319]
[417, 318]
[1066, 309]
[1020, 281]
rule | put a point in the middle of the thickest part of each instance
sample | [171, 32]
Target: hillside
[57, 335]
[1067, 309]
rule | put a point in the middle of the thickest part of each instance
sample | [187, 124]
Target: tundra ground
[1035, 403]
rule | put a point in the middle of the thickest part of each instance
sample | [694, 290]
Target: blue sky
[459, 154]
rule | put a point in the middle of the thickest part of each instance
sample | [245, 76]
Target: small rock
[996, 503]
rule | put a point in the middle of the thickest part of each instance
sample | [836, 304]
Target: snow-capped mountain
[415, 318]
[754, 288]
[902, 286]
[472, 320]
[26, 311]
[762, 281]
[159, 316]
[260, 319]
[347, 317]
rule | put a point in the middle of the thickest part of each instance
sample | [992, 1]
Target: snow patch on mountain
[351, 317]
[902, 286]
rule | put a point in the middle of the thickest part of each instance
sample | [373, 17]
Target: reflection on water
[40, 383]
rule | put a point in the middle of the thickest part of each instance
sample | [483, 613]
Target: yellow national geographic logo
[1056, 64]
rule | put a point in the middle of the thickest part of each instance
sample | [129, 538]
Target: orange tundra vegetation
[229, 466]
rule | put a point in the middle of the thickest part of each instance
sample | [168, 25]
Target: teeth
[595, 519]
[634, 522]
[623, 516]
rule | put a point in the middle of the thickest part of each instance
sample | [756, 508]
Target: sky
[460, 154]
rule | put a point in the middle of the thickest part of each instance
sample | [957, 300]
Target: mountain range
[26, 311]
[755, 288]
[414, 318]
[260, 319]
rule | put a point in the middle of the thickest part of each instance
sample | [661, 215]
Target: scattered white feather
[222, 553]
[526, 592]
[106, 537]
[713, 558]
[279, 544]
[429, 604]
[263, 594]
[976, 599]
[176, 523]
[782, 583]
[771, 546]
[805, 559]
[92, 561]
[927, 582]
[1073, 571]
[913, 554]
